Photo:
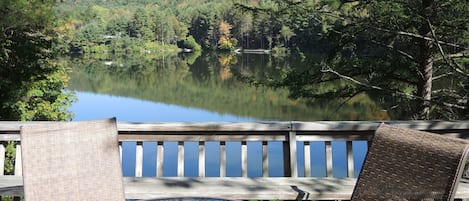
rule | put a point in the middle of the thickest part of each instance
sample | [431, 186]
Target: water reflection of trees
[211, 83]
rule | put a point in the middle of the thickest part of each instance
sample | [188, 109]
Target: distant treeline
[151, 25]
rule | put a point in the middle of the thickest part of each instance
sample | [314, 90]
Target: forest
[97, 26]
[413, 56]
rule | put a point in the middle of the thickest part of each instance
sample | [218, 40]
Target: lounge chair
[72, 161]
[405, 164]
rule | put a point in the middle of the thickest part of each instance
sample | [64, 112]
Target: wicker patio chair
[405, 164]
[72, 161]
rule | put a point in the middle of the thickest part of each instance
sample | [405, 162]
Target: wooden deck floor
[235, 188]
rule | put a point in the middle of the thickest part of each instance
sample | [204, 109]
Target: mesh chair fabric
[405, 164]
[72, 161]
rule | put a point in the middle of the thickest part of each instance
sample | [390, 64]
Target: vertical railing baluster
[244, 159]
[293, 159]
[222, 159]
[120, 151]
[350, 164]
[307, 159]
[180, 172]
[2, 158]
[328, 158]
[286, 159]
[139, 159]
[201, 159]
[265, 159]
[18, 165]
[159, 158]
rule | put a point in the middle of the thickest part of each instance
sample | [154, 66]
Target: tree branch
[443, 55]
[453, 105]
[450, 105]
[463, 54]
[441, 76]
[405, 54]
[329, 70]
[421, 37]
[403, 33]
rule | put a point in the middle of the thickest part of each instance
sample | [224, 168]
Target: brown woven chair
[405, 164]
[72, 161]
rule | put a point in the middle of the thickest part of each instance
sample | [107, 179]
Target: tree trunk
[424, 88]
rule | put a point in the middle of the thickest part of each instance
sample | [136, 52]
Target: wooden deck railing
[290, 134]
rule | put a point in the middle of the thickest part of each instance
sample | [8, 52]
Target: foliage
[380, 48]
[31, 79]
[287, 34]
[190, 43]
[10, 155]
[413, 44]
[226, 41]
[120, 27]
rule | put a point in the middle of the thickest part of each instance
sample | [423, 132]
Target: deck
[292, 185]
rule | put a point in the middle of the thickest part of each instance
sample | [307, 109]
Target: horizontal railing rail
[292, 136]
[287, 132]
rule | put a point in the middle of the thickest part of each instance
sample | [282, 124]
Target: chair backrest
[405, 164]
[72, 161]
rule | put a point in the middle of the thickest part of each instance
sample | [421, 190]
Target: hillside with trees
[97, 26]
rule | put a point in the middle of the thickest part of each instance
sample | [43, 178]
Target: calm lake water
[206, 88]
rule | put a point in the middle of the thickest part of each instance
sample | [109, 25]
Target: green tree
[190, 43]
[243, 28]
[143, 25]
[117, 26]
[413, 45]
[414, 53]
[89, 35]
[31, 79]
[287, 34]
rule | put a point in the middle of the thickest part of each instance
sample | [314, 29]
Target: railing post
[2, 158]
[286, 159]
[307, 158]
[244, 159]
[289, 156]
[18, 165]
[293, 159]
[328, 147]
[159, 158]
[265, 159]
[202, 159]
[350, 164]
[222, 159]
[180, 165]
[120, 150]
[139, 159]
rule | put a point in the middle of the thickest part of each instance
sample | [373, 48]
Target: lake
[207, 88]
